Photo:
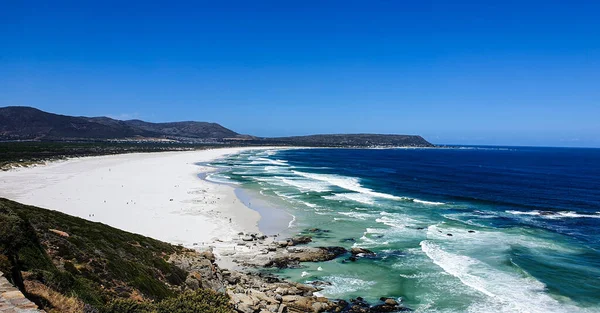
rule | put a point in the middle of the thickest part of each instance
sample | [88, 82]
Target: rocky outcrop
[252, 293]
[201, 269]
[256, 293]
[294, 256]
[359, 305]
[299, 240]
[259, 294]
[249, 293]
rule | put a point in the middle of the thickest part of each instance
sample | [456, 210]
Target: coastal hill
[27, 123]
[67, 264]
[352, 140]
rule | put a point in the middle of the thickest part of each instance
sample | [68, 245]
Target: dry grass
[59, 302]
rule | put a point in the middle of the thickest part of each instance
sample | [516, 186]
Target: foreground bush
[199, 301]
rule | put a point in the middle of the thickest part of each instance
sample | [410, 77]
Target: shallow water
[471, 229]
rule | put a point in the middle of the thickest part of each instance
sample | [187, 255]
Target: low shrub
[199, 301]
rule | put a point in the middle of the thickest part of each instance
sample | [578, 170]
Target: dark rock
[449, 235]
[359, 305]
[318, 254]
[306, 254]
[356, 251]
[471, 231]
[320, 283]
[387, 308]
[282, 244]
[284, 262]
[299, 240]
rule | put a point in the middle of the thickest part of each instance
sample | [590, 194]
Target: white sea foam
[524, 212]
[323, 182]
[292, 222]
[358, 197]
[269, 180]
[505, 291]
[357, 215]
[341, 285]
[259, 161]
[397, 220]
[284, 195]
[274, 169]
[375, 231]
[415, 276]
[482, 242]
[554, 215]
[305, 185]
[220, 179]
[400, 227]
[428, 202]
[469, 221]
[572, 214]
[348, 183]
[308, 204]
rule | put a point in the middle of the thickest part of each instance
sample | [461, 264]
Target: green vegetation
[64, 258]
[202, 300]
[31, 152]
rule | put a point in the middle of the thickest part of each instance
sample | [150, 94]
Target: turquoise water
[454, 230]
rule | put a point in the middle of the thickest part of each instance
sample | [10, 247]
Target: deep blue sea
[455, 229]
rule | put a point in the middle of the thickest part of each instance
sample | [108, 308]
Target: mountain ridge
[27, 123]
[19, 123]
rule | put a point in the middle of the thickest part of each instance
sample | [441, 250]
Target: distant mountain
[26, 123]
[352, 140]
[185, 129]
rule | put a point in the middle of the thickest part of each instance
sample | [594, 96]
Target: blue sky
[463, 72]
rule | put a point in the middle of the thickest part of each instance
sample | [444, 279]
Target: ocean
[455, 229]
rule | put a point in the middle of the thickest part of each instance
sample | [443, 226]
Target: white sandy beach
[154, 194]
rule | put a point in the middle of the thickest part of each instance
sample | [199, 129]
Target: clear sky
[463, 72]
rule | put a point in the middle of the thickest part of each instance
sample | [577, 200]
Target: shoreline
[273, 220]
[159, 195]
[163, 196]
